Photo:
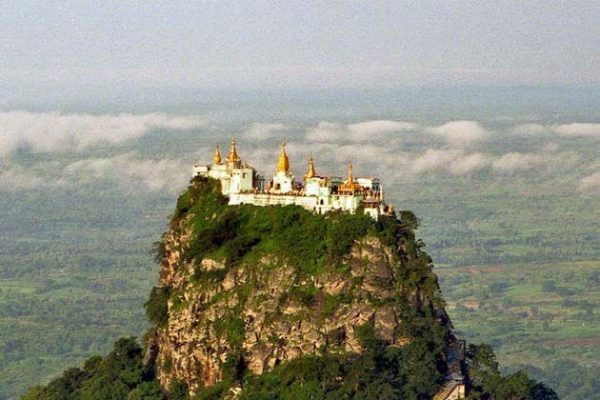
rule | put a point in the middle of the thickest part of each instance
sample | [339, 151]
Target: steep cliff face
[249, 288]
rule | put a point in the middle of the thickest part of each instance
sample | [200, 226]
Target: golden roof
[233, 156]
[349, 185]
[217, 156]
[283, 164]
[310, 173]
[350, 174]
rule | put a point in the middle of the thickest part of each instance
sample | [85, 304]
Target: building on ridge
[242, 184]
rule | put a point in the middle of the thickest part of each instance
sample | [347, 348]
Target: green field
[536, 316]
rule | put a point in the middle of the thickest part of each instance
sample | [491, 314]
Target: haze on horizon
[58, 44]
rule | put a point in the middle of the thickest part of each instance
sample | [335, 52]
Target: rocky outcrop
[248, 288]
[267, 312]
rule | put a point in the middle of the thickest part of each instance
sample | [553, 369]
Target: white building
[243, 185]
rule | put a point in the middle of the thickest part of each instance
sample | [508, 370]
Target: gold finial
[349, 185]
[217, 156]
[233, 156]
[311, 173]
[350, 176]
[283, 164]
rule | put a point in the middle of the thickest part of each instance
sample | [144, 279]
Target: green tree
[157, 308]
[146, 391]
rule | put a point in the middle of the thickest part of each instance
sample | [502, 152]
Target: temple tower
[283, 181]
[349, 186]
[310, 173]
[217, 156]
[233, 160]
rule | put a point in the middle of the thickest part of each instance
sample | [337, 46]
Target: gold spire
[232, 151]
[283, 164]
[350, 176]
[311, 173]
[349, 185]
[217, 156]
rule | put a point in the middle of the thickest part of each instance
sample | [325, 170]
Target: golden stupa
[233, 156]
[283, 164]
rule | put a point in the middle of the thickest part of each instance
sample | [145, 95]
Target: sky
[307, 44]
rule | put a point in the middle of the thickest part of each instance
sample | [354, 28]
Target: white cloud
[53, 131]
[370, 130]
[332, 144]
[458, 133]
[529, 129]
[570, 130]
[16, 178]
[434, 160]
[577, 129]
[469, 163]
[455, 162]
[518, 161]
[330, 158]
[590, 183]
[326, 131]
[154, 175]
[126, 170]
[261, 131]
[514, 161]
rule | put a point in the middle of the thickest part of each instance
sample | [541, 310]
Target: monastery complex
[243, 185]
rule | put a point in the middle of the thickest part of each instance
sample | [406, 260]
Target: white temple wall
[269, 199]
[241, 180]
[312, 187]
[283, 182]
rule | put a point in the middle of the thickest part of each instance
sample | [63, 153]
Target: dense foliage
[308, 241]
[381, 372]
[488, 383]
[120, 375]
[157, 309]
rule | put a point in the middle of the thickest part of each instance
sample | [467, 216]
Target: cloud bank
[575, 129]
[510, 162]
[376, 146]
[262, 131]
[53, 131]
[455, 133]
[326, 131]
[458, 133]
[126, 170]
